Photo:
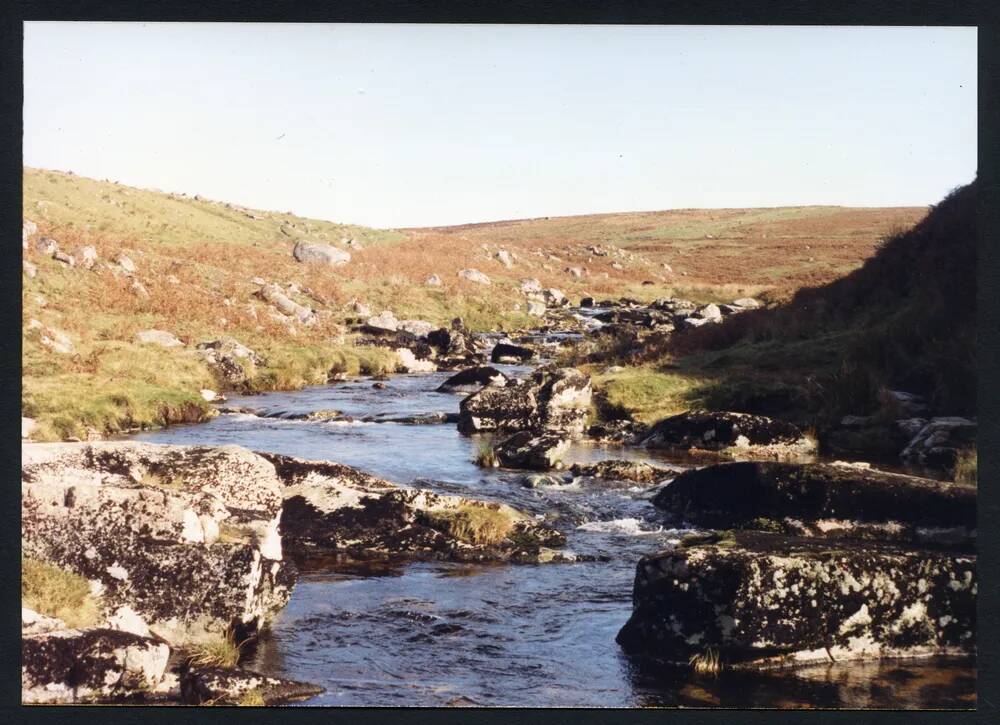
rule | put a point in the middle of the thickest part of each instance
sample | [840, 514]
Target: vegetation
[252, 698]
[707, 662]
[52, 591]
[474, 524]
[222, 651]
[966, 468]
[486, 455]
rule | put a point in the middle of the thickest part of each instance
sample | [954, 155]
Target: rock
[185, 536]
[552, 400]
[66, 259]
[575, 271]
[158, 337]
[272, 293]
[126, 263]
[867, 436]
[360, 308]
[384, 321]
[210, 396]
[540, 480]
[324, 253]
[233, 363]
[55, 340]
[938, 444]
[903, 404]
[762, 601]
[504, 352]
[433, 281]
[586, 302]
[471, 380]
[379, 386]
[619, 470]
[748, 303]
[536, 309]
[89, 666]
[617, 265]
[555, 298]
[46, 246]
[88, 257]
[28, 426]
[420, 328]
[410, 363]
[34, 623]
[531, 286]
[221, 686]
[28, 230]
[474, 275]
[334, 508]
[528, 450]
[138, 289]
[30, 270]
[709, 312]
[627, 432]
[503, 256]
[729, 433]
[822, 500]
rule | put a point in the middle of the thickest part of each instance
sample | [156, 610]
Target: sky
[419, 125]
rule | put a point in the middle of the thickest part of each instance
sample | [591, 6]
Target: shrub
[49, 590]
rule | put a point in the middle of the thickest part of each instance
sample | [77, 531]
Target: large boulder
[759, 600]
[184, 537]
[286, 305]
[471, 380]
[729, 433]
[822, 500]
[940, 441]
[232, 362]
[510, 408]
[382, 323]
[527, 450]
[334, 508]
[324, 253]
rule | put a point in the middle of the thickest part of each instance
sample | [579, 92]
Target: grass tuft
[707, 662]
[486, 456]
[218, 652]
[966, 468]
[473, 524]
[52, 591]
[252, 698]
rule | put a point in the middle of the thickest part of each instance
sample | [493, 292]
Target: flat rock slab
[821, 499]
[763, 601]
[727, 432]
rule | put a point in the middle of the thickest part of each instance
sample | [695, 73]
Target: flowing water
[433, 634]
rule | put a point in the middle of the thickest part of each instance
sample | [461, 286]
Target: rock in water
[551, 400]
[823, 500]
[233, 363]
[761, 600]
[938, 443]
[473, 379]
[618, 470]
[325, 253]
[186, 537]
[530, 451]
[731, 433]
[505, 352]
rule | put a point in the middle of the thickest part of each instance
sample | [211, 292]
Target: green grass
[966, 468]
[222, 651]
[645, 393]
[473, 524]
[52, 591]
[485, 454]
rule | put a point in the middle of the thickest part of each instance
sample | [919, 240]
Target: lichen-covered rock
[158, 337]
[89, 666]
[619, 470]
[729, 433]
[762, 601]
[324, 253]
[471, 380]
[530, 451]
[185, 537]
[823, 500]
[285, 305]
[224, 686]
[550, 401]
[505, 352]
[232, 362]
[408, 362]
[474, 275]
[330, 507]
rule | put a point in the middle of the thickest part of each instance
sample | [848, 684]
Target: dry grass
[966, 468]
[485, 454]
[707, 662]
[49, 590]
[474, 524]
[252, 698]
[219, 652]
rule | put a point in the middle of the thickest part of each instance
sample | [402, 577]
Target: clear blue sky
[408, 125]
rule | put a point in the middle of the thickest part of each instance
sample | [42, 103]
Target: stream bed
[437, 633]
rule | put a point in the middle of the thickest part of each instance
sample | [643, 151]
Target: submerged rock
[620, 470]
[823, 500]
[729, 433]
[759, 600]
[505, 352]
[225, 686]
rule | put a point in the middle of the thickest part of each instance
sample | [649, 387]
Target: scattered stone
[420, 328]
[126, 263]
[66, 259]
[938, 444]
[555, 298]
[158, 337]
[139, 289]
[474, 379]
[28, 426]
[383, 322]
[536, 309]
[46, 246]
[586, 302]
[410, 363]
[528, 450]
[360, 308]
[474, 275]
[324, 253]
[531, 286]
[28, 230]
[30, 270]
[709, 312]
[379, 386]
[88, 257]
[433, 281]
[272, 293]
[575, 271]
[210, 396]
[233, 363]
[503, 256]
[747, 303]
[55, 340]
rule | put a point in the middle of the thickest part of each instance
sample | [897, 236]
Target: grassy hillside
[196, 258]
[904, 320]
